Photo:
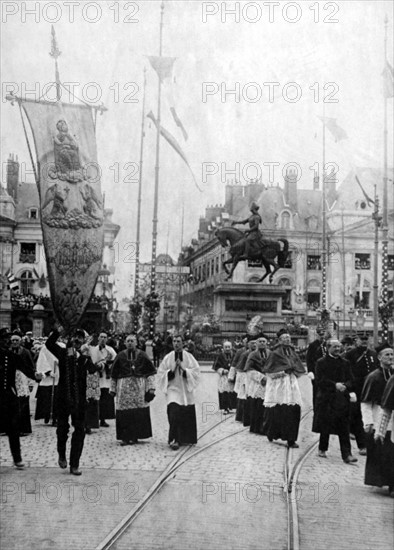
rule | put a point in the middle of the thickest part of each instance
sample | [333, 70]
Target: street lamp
[337, 313]
[351, 313]
[104, 310]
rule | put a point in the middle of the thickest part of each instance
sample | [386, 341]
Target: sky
[339, 45]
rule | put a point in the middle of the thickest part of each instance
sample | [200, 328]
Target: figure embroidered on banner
[67, 162]
[78, 206]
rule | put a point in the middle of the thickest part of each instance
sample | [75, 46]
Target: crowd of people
[89, 380]
[86, 383]
[353, 395]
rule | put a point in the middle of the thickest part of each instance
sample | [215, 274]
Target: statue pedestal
[237, 303]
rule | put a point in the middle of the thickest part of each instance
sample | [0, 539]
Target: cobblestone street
[228, 496]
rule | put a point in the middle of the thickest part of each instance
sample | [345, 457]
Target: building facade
[28, 306]
[295, 214]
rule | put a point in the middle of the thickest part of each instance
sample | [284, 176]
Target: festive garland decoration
[135, 307]
[152, 303]
[385, 310]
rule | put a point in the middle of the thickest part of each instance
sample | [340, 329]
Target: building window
[28, 253]
[313, 300]
[289, 261]
[217, 264]
[286, 300]
[390, 261]
[313, 262]
[27, 282]
[285, 220]
[362, 261]
[33, 213]
[363, 301]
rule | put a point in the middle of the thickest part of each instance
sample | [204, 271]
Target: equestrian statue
[250, 245]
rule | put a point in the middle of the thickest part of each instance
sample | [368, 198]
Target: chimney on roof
[291, 179]
[12, 176]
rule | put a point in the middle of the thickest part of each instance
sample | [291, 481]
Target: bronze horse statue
[267, 253]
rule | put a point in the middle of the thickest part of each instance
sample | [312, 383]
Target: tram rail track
[291, 473]
[181, 458]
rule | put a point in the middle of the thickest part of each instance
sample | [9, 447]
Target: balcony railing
[27, 258]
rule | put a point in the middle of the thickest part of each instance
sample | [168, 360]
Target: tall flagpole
[55, 53]
[385, 229]
[376, 220]
[138, 238]
[152, 320]
[179, 274]
[324, 236]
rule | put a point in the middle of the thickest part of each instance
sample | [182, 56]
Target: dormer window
[285, 220]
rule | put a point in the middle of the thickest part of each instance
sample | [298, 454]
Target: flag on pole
[71, 203]
[12, 282]
[162, 65]
[367, 198]
[337, 132]
[174, 144]
[388, 80]
[164, 68]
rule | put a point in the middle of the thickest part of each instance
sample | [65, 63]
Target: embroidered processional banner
[68, 179]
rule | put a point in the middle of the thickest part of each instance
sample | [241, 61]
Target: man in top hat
[253, 236]
[9, 407]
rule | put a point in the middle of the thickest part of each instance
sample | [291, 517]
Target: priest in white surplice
[178, 377]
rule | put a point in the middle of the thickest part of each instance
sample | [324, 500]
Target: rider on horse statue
[254, 236]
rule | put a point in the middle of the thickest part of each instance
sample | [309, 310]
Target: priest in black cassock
[255, 383]
[178, 377]
[363, 361]
[282, 403]
[316, 350]
[222, 364]
[334, 382]
[133, 384]
[379, 388]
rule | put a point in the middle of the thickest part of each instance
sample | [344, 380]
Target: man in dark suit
[333, 382]
[73, 369]
[9, 407]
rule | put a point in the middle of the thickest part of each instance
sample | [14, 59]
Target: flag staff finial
[55, 53]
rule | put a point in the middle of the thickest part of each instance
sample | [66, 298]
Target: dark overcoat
[332, 407]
